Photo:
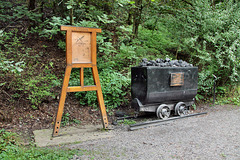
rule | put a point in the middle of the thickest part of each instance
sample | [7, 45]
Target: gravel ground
[213, 136]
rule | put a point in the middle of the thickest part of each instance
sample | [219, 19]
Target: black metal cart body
[154, 88]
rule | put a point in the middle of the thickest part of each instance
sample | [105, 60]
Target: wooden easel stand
[86, 60]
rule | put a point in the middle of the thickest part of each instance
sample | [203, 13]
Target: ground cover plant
[10, 148]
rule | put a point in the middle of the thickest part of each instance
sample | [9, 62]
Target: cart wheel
[163, 111]
[181, 109]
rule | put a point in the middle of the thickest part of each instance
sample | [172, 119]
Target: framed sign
[81, 52]
[177, 79]
[81, 47]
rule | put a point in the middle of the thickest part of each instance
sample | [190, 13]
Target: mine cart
[164, 86]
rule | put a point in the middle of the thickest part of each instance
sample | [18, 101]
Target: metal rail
[158, 122]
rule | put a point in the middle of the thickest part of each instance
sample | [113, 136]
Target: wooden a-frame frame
[81, 52]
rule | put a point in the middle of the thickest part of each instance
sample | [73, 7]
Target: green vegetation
[32, 48]
[127, 122]
[20, 71]
[205, 33]
[66, 120]
[210, 36]
[228, 95]
[10, 148]
[114, 85]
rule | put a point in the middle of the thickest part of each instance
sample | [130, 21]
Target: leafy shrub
[114, 87]
[39, 87]
[7, 139]
[208, 35]
[19, 71]
[36, 88]
[53, 27]
[205, 83]
[11, 66]
[119, 61]
[5, 9]
[15, 12]
[228, 95]
[159, 41]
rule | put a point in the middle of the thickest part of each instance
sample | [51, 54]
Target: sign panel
[177, 79]
[81, 47]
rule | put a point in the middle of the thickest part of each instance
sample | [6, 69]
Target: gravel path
[213, 136]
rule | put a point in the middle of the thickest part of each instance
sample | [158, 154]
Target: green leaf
[131, 2]
[69, 7]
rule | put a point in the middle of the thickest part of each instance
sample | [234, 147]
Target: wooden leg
[62, 101]
[81, 76]
[100, 97]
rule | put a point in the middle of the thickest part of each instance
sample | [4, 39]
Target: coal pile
[164, 63]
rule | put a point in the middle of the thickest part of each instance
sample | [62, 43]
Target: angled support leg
[81, 77]
[62, 101]
[100, 97]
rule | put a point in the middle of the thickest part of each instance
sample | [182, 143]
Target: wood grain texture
[62, 100]
[80, 29]
[100, 97]
[81, 89]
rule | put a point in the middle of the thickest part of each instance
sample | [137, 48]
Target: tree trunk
[31, 5]
[213, 3]
[137, 17]
[71, 16]
[129, 20]
[42, 10]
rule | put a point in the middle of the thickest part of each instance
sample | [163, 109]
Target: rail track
[159, 122]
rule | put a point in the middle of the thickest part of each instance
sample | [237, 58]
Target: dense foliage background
[203, 32]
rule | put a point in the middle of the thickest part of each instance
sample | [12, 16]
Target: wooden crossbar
[80, 89]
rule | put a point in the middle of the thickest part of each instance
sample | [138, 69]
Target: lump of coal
[154, 63]
[144, 62]
[164, 63]
[167, 60]
[159, 60]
